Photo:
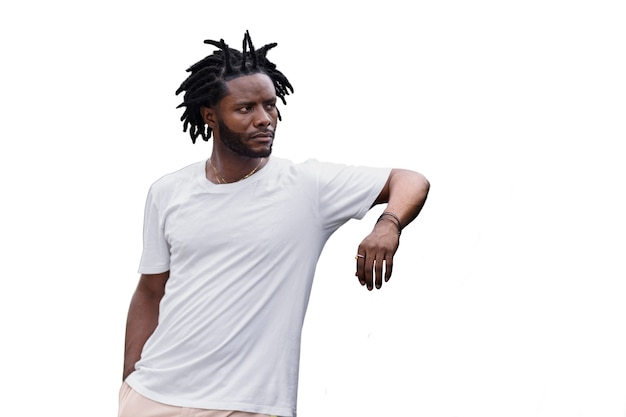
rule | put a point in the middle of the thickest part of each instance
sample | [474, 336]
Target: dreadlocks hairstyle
[206, 85]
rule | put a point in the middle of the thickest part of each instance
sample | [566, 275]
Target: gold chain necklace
[221, 180]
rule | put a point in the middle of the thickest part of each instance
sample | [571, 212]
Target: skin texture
[405, 194]
[243, 124]
[143, 316]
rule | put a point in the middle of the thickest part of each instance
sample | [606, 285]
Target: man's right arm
[143, 316]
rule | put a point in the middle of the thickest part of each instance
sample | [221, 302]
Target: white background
[509, 293]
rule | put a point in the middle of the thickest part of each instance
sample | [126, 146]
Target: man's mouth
[261, 135]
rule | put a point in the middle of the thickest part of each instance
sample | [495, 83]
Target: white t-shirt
[241, 257]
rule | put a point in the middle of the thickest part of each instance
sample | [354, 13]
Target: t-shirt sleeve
[347, 192]
[155, 257]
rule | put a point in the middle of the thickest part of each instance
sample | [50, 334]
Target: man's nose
[263, 118]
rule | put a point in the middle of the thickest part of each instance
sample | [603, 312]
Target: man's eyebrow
[243, 103]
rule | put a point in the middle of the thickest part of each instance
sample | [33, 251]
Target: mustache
[263, 132]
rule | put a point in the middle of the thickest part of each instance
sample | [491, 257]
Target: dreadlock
[206, 85]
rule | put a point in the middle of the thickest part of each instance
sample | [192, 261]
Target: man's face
[246, 117]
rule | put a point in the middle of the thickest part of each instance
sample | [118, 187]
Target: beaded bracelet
[396, 218]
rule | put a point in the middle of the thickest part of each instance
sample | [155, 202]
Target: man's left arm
[405, 194]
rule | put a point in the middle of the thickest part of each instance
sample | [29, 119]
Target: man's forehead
[253, 85]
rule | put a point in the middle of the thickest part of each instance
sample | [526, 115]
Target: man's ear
[208, 115]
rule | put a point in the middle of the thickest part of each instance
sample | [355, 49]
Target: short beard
[236, 142]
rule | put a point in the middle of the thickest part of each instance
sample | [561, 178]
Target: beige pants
[133, 404]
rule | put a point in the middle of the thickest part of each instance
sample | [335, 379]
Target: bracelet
[396, 218]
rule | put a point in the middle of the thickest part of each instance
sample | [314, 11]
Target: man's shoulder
[176, 178]
[310, 164]
[287, 167]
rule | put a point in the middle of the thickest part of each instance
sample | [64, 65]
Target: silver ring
[359, 256]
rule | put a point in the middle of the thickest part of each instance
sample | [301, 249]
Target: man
[230, 249]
